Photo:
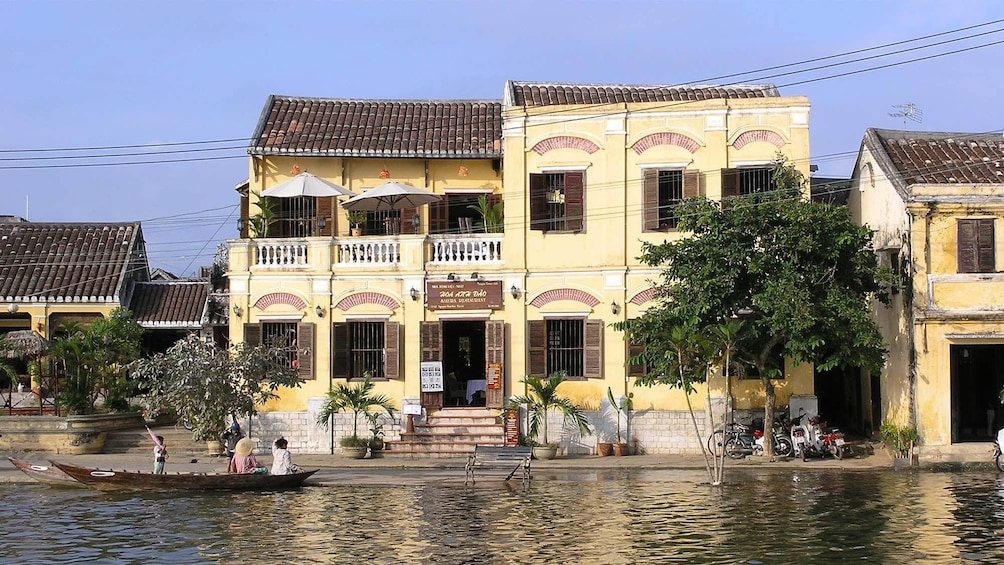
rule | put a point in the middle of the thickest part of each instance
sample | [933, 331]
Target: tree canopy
[799, 275]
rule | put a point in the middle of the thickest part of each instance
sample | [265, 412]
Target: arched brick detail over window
[565, 294]
[643, 296]
[367, 298]
[565, 142]
[748, 137]
[666, 138]
[280, 298]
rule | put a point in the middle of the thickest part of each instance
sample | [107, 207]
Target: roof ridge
[763, 86]
[394, 100]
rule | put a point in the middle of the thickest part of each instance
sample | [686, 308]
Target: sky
[83, 75]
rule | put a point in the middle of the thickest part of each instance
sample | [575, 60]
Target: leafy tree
[358, 398]
[797, 273]
[96, 356]
[542, 398]
[205, 384]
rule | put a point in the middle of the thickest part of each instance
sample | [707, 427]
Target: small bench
[495, 457]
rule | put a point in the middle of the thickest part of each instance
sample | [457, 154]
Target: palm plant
[266, 216]
[625, 404]
[491, 214]
[358, 398]
[542, 397]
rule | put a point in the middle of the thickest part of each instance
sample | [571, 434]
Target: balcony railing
[466, 249]
[280, 254]
[368, 252]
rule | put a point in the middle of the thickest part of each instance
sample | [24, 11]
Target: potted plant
[376, 431]
[261, 222]
[899, 439]
[356, 219]
[542, 397]
[491, 214]
[621, 447]
[356, 398]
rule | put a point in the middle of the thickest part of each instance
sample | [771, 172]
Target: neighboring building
[934, 201]
[586, 173]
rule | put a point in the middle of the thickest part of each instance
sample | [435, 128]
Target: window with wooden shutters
[439, 218]
[537, 347]
[252, 334]
[392, 350]
[747, 180]
[305, 351]
[593, 350]
[282, 336]
[566, 341]
[664, 190]
[636, 370]
[408, 220]
[976, 246]
[340, 350]
[297, 216]
[325, 215]
[431, 338]
[557, 201]
[245, 215]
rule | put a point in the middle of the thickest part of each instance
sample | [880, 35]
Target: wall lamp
[514, 290]
[241, 224]
[416, 221]
[322, 223]
[615, 308]
[451, 277]
[319, 311]
[238, 311]
[413, 293]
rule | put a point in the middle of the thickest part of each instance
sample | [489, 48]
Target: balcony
[411, 252]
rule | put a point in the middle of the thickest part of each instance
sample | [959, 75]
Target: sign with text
[432, 376]
[464, 295]
[494, 376]
[512, 426]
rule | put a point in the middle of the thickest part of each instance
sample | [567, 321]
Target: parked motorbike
[811, 437]
[741, 440]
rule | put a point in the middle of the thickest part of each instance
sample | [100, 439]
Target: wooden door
[432, 350]
[495, 355]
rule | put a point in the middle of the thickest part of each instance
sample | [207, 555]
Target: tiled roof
[170, 304]
[548, 94]
[828, 190]
[378, 128]
[69, 262]
[939, 158]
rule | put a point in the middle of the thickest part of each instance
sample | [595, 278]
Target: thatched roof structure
[23, 344]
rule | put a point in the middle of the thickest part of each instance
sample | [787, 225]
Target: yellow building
[585, 174]
[933, 200]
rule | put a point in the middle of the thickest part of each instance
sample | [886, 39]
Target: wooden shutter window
[538, 202]
[305, 351]
[340, 350]
[975, 247]
[495, 353]
[537, 347]
[392, 350]
[431, 341]
[634, 350]
[252, 334]
[575, 206]
[594, 349]
[439, 216]
[245, 210]
[650, 207]
[324, 211]
[408, 220]
[985, 259]
[730, 184]
[691, 184]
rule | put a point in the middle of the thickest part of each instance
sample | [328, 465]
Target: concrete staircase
[449, 432]
[178, 441]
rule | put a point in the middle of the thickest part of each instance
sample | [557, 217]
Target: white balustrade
[467, 249]
[280, 254]
[368, 252]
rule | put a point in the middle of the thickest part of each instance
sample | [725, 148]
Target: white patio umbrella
[306, 184]
[391, 196]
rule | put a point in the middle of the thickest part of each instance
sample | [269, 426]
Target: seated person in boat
[282, 463]
[244, 460]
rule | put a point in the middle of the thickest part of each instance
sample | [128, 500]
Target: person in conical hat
[244, 460]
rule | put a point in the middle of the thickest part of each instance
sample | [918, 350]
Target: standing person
[230, 439]
[282, 462]
[159, 456]
[244, 460]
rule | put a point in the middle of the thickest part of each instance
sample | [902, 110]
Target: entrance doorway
[464, 363]
[977, 377]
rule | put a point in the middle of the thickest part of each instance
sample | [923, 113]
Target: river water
[634, 516]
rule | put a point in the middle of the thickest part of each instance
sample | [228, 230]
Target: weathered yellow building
[933, 200]
[585, 175]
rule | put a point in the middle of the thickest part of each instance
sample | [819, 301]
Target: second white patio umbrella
[391, 196]
[306, 184]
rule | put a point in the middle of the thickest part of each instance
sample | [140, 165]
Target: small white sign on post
[432, 376]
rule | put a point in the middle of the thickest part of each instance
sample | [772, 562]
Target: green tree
[96, 356]
[205, 384]
[358, 398]
[799, 275]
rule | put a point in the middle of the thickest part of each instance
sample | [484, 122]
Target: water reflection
[639, 516]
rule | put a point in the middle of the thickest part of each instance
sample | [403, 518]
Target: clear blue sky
[90, 74]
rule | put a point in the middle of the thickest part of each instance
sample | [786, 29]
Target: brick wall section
[280, 298]
[643, 296]
[367, 298]
[565, 142]
[758, 135]
[303, 434]
[564, 294]
[666, 138]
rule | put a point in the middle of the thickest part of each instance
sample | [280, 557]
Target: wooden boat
[47, 474]
[108, 479]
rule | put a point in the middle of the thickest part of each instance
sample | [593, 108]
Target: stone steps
[178, 441]
[451, 432]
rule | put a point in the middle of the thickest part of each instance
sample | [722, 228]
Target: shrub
[898, 438]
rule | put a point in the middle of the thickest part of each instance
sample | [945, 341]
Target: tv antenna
[908, 111]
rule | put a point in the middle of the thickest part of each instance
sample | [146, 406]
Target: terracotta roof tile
[170, 304]
[942, 158]
[548, 94]
[379, 128]
[69, 262]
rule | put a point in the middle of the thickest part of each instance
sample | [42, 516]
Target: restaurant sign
[464, 295]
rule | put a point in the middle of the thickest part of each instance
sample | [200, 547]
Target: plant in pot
[491, 214]
[356, 398]
[624, 405]
[542, 397]
[899, 439]
[376, 431]
[356, 219]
